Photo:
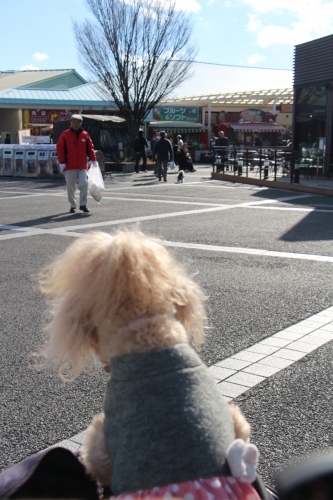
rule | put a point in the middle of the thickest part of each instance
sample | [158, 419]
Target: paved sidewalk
[314, 186]
[242, 371]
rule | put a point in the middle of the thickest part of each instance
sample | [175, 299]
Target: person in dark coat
[163, 152]
[257, 142]
[184, 160]
[140, 145]
[221, 142]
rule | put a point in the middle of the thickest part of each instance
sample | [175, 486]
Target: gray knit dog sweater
[165, 420]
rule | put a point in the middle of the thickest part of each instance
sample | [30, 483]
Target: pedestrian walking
[73, 147]
[163, 152]
[140, 145]
[180, 142]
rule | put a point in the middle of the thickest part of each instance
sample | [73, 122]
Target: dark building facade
[313, 100]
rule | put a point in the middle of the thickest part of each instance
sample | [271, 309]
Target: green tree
[138, 50]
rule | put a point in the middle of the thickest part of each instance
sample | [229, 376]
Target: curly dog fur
[113, 296]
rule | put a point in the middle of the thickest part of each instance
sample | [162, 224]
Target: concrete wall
[10, 121]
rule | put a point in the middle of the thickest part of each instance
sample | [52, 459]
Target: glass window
[310, 117]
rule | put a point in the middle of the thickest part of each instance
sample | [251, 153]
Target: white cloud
[312, 19]
[280, 5]
[255, 58]
[188, 5]
[28, 67]
[270, 35]
[254, 24]
[39, 57]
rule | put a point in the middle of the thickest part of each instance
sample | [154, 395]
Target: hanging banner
[176, 114]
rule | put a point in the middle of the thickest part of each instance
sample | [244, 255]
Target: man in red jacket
[73, 147]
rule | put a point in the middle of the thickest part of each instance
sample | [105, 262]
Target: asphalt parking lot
[263, 256]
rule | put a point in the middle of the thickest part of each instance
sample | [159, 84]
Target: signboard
[22, 134]
[286, 108]
[47, 117]
[176, 114]
[36, 139]
[252, 115]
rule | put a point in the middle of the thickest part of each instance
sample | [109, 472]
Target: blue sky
[259, 33]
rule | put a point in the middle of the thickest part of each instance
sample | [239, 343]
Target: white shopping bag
[172, 165]
[95, 182]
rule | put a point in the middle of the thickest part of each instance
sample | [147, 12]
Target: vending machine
[43, 160]
[8, 160]
[53, 161]
[19, 160]
[31, 161]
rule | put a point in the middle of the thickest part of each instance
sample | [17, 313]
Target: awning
[176, 127]
[105, 118]
[261, 127]
[32, 125]
[48, 128]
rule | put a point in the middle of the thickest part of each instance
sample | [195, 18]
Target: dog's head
[115, 295]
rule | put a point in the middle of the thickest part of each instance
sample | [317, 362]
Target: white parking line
[172, 202]
[70, 230]
[296, 209]
[246, 369]
[9, 198]
[32, 193]
[251, 251]
[21, 232]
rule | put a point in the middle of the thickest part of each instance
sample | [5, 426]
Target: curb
[271, 184]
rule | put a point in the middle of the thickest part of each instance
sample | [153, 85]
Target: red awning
[261, 127]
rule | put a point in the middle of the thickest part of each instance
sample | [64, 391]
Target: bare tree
[139, 51]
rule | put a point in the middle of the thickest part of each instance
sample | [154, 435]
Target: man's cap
[77, 117]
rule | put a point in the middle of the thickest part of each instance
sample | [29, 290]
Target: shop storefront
[179, 120]
[193, 134]
[239, 126]
[241, 134]
[40, 122]
[313, 98]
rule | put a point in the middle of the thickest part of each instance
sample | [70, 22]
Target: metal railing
[270, 163]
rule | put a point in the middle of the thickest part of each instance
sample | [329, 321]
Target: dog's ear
[73, 285]
[190, 309]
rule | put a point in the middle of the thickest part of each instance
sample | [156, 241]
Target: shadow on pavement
[316, 225]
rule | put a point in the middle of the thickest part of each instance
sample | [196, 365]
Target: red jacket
[73, 149]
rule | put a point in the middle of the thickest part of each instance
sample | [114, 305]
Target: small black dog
[180, 177]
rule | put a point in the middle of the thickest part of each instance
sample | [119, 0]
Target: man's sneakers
[84, 208]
